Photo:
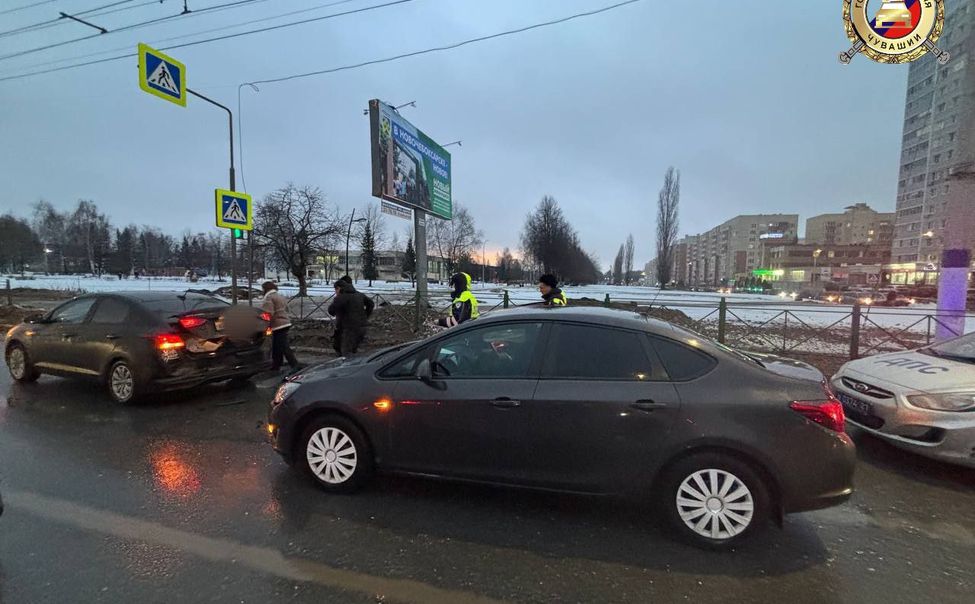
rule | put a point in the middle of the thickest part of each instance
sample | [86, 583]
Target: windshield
[962, 348]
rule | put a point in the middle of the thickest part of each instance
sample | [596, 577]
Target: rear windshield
[175, 306]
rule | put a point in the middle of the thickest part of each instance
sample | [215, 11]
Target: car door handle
[505, 403]
[112, 336]
[66, 337]
[647, 406]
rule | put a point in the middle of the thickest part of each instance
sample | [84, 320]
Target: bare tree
[551, 245]
[628, 259]
[294, 224]
[453, 239]
[667, 223]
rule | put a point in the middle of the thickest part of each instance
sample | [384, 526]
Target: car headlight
[955, 401]
[284, 391]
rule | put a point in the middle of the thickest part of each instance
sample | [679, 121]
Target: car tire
[336, 454]
[714, 500]
[122, 384]
[19, 364]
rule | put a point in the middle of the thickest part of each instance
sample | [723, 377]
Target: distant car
[922, 400]
[581, 400]
[139, 342]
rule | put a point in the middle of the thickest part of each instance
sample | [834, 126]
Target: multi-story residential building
[734, 248]
[859, 224]
[938, 146]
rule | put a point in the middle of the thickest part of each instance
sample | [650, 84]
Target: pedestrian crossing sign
[162, 76]
[234, 210]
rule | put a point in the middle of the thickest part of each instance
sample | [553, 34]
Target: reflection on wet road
[181, 500]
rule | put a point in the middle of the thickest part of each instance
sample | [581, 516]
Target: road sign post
[234, 211]
[163, 76]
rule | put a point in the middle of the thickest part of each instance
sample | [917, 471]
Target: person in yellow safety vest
[548, 286]
[464, 305]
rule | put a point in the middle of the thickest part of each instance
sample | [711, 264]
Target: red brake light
[828, 414]
[169, 341]
[191, 322]
[266, 316]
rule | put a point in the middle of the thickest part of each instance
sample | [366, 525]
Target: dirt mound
[657, 312]
[389, 325]
[12, 315]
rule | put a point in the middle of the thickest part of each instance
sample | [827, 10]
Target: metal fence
[808, 328]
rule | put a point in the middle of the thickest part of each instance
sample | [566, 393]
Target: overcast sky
[746, 98]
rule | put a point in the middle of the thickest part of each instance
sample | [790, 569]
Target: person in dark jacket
[464, 305]
[337, 334]
[351, 310]
[548, 286]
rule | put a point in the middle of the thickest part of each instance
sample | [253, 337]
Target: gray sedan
[581, 400]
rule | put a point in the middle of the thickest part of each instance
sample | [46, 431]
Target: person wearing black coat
[351, 310]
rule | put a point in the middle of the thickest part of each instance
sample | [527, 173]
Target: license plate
[857, 405]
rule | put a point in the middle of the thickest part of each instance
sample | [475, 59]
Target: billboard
[408, 167]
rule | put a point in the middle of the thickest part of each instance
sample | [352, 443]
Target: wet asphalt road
[180, 500]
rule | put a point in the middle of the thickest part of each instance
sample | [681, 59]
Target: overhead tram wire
[199, 11]
[509, 32]
[210, 40]
[194, 34]
[92, 12]
[25, 7]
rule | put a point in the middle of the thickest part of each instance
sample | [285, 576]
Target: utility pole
[233, 187]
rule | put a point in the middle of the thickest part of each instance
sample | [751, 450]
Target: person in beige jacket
[277, 306]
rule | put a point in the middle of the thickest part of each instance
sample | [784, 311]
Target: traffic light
[237, 233]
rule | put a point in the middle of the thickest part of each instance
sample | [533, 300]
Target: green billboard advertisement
[408, 167]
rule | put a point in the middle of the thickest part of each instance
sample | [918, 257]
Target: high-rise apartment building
[938, 146]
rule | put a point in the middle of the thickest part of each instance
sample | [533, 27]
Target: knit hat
[549, 280]
[268, 286]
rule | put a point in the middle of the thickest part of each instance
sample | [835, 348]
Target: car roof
[151, 296]
[594, 315]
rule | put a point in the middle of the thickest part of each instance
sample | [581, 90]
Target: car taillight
[191, 322]
[169, 341]
[828, 413]
[266, 316]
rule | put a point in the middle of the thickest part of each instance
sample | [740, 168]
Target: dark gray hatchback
[584, 400]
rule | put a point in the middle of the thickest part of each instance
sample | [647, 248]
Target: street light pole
[348, 236]
[483, 261]
[233, 187]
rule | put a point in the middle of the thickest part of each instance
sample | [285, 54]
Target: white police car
[922, 400]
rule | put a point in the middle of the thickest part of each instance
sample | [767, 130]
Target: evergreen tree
[369, 270]
[409, 261]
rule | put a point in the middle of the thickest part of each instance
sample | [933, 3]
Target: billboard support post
[420, 248]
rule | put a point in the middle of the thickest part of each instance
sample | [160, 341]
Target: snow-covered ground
[751, 308]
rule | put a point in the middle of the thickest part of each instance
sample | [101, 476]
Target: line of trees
[84, 241]
[552, 245]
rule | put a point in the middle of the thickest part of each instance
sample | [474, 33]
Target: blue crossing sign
[162, 76]
[234, 210]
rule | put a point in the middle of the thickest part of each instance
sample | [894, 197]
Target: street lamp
[348, 235]
[483, 261]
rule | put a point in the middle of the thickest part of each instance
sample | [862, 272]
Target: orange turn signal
[383, 404]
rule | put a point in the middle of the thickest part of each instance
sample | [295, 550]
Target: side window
[111, 311]
[73, 312]
[596, 353]
[681, 362]
[405, 367]
[498, 351]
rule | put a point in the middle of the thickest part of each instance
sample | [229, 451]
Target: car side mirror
[424, 371]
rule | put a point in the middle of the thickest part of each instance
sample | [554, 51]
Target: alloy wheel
[122, 382]
[17, 362]
[332, 455]
[715, 504]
